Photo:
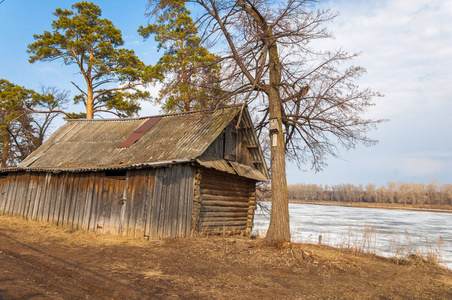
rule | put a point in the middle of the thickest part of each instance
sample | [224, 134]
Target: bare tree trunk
[279, 229]
[5, 151]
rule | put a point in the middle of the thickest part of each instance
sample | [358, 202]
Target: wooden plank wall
[231, 145]
[227, 203]
[154, 203]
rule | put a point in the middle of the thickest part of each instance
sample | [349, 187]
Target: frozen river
[382, 231]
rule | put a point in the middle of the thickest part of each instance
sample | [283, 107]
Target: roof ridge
[153, 116]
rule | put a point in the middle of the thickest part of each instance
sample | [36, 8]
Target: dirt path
[40, 261]
[35, 272]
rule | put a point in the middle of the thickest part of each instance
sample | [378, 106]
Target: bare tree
[310, 103]
[25, 117]
[45, 108]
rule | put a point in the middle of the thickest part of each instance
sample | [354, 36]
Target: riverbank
[44, 261]
[432, 208]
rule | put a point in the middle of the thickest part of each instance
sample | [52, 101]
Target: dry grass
[46, 261]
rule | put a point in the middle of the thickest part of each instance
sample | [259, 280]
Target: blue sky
[406, 46]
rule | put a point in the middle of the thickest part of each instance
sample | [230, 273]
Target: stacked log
[226, 203]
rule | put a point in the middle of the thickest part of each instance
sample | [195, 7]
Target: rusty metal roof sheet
[94, 144]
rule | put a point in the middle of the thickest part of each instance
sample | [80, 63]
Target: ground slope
[39, 260]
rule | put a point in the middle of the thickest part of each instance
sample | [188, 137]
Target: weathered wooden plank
[183, 202]
[223, 223]
[11, 197]
[30, 197]
[92, 220]
[226, 192]
[223, 214]
[37, 198]
[6, 192]
[24, 194]
[52, 192]
[118, 204]
[97, 213]
[225, 198]
[108, 192]
[163, 203]
[168, 217]
[58, 183]
[215, 182]
[69, 200]
[141, 207]
[17, 195]
[175, 185]
[50, 203]
[208, 202]
[222, 218]
[126, 208]
[134, 199]
[190, 192]
[225, 209]
[75, 203]
[89, 190]
[4, 185]
[155, 205]
[220, 228]
[164, 217]
[62, 196]
[43, 213]
[79, 200]
[117, 190]
[104, 205]
[149, 203]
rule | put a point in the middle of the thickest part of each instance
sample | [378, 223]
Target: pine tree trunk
[279, 229]
[89, 104]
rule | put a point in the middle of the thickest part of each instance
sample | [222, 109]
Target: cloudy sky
[405, 45]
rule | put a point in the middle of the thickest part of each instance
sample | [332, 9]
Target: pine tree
[191, 72]
[112, 74]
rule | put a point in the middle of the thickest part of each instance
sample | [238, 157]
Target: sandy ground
[42, 261]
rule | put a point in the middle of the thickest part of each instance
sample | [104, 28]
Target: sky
[405, 45]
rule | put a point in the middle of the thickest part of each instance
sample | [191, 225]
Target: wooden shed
[156, 177]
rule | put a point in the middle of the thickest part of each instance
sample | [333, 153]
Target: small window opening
[117, 174]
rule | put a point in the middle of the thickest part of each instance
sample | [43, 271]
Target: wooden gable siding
[227, 202]
[153, 203]
[231, 145]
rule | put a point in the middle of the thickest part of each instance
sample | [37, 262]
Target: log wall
[227, 202]
[154, 203]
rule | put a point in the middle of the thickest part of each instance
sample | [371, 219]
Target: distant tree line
[433, 193]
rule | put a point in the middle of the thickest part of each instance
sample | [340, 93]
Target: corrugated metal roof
[93, 144]
[231, 167]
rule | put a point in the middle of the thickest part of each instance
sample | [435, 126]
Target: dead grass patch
[53, 262]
